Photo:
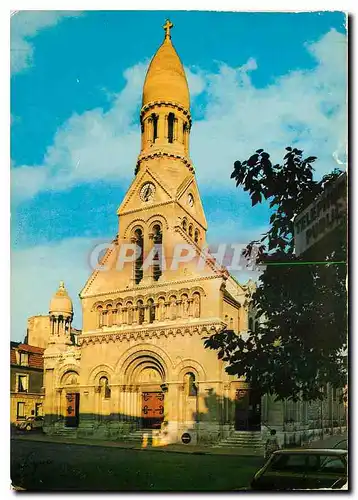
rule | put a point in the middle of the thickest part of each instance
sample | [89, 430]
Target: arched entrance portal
[71, 398]
[147, 374]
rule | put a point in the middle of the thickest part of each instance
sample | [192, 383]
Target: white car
[31, 423]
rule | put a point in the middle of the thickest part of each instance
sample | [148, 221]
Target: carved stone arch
[99, 371]
[197, 289]
[190, 365]
[159, 295]
[150, 296]
[71, 367]
[140, 297]
[184, 290]
[132, 226]
[128, 299]
[157, 219]
[170, 293]
[143, 350]
[96, 305]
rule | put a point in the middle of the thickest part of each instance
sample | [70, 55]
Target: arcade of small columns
[171, 124]
[142, 310]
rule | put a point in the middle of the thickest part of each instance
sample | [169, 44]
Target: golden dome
[165, 79]
[61, 302]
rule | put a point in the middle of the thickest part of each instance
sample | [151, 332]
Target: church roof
[61, 303]
[165, 79]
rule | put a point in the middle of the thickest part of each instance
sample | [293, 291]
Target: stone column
[179, 309]
[167, 310]
[180, 132]
[161, 127]
[190, 309]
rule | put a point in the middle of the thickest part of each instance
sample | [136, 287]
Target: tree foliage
[300, 343]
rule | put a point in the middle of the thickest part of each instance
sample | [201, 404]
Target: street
[43, 466]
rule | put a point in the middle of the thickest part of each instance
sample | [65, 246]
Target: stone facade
[26, 381]
[140, 360]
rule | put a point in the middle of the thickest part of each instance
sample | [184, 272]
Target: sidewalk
[171, 448]
[330, 441]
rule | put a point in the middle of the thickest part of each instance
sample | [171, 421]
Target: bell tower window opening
[155, 126]
[171, 119]
[196, 236]
[157, 262]
[138, 264]
[184, 225]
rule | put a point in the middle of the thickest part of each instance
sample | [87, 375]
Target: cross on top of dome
[167, 27]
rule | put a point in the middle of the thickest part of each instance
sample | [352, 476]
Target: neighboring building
[140, 362]
[26, 381]
[26, 369]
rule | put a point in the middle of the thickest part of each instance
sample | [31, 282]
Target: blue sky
[256, 79]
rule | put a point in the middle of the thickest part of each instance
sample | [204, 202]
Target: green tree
[301, 343]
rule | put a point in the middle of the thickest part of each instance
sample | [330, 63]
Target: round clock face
[190, 200]
[147, 191]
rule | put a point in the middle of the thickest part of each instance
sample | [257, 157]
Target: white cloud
[24, 26]
[94, 145]
[35, 276]
[304, 107]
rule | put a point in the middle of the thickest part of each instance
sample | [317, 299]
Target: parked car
[31, 423]
[302, 469]
[342, 445]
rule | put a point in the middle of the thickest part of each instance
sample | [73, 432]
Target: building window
[171, 119]
[157, 259]
[38, 409]
[24, 359]
[196, 236]
[151, 307]
[140, 312]
[191, 389]
[155, 126]
[184, 225]
[251, 324]
[20, 410]
[191, 231]
[104, 387]
[138, 265]
[22, 383]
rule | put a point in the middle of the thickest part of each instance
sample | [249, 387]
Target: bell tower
[165, 115]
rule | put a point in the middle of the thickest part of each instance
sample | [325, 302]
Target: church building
[139, 365]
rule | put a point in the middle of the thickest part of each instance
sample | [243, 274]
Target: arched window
[173, 307]
[151, 308]
[138, 264]
[185, 305]
[190, 231]
[140, 312]
[185, 131]
[155, 126]
[190, 385]
[130, 312]
[196, 236]
[104, 388]
[99, 316]
[184, 225]
[171, 119]
[109, 315]
[157, 259]
[196, 305]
